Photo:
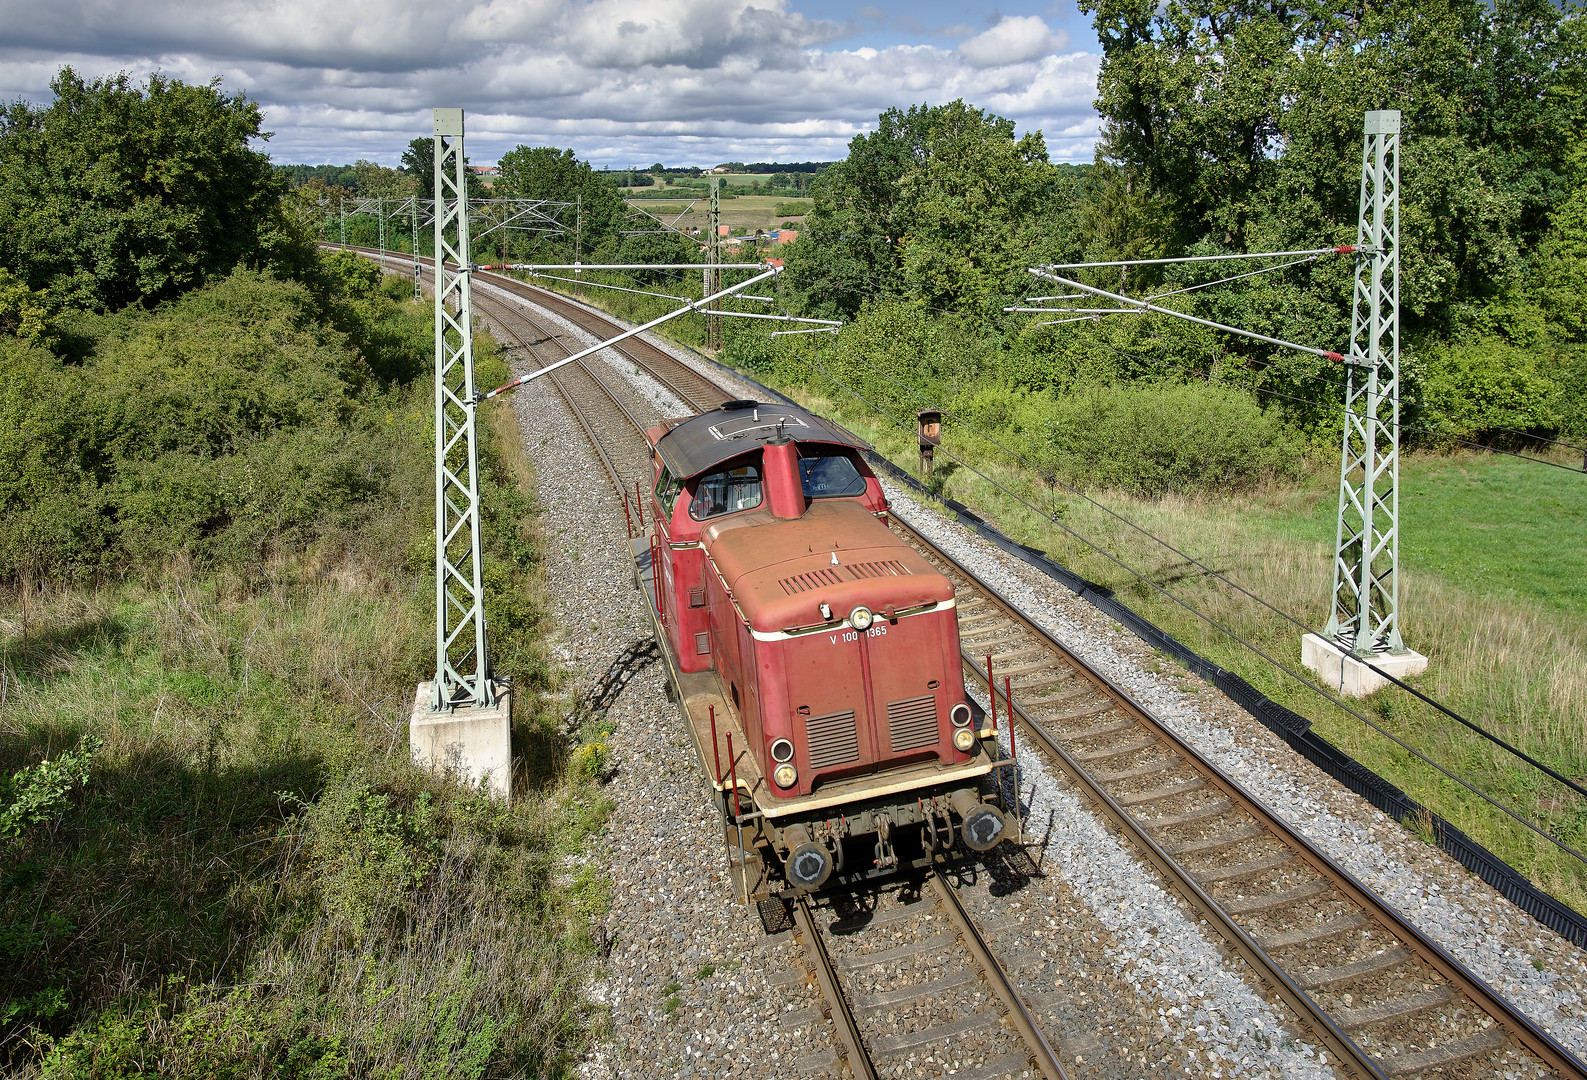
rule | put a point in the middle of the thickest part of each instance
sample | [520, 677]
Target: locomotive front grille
[832, 739]
[912, 723]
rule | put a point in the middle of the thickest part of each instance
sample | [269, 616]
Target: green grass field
[743, 215]
[1494, 525]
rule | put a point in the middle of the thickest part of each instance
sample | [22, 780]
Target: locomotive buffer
[814, 654]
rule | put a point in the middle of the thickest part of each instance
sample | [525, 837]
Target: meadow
[743, 215]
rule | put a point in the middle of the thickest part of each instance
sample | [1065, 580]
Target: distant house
[721, 169]
[485, 172]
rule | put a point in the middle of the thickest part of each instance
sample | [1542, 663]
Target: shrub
[1484, 386]
[49, 492]
[247, 413]
[1156, 440]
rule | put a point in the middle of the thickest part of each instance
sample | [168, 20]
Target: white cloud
[1015, 39]
[621, 81]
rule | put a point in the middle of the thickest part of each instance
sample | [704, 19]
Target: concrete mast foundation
[1347, 674]
[470, 743]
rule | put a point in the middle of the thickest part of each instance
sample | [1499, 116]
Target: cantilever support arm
[693, 305]
[1142, 305]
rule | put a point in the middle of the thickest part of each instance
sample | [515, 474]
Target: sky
[621, 82]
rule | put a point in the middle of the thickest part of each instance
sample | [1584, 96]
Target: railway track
[1359, 980]
[908, 975]
[1367, 985]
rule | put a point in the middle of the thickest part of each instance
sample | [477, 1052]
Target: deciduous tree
[117, 194]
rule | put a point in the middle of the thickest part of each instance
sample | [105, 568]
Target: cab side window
[726, 491]
[830, 476]
[667, 488]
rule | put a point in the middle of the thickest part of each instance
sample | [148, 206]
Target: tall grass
[254, 880]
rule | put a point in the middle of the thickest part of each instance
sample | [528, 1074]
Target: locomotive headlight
[782, 750]
[960, 715]
[964, 738]
[861, 618]
[785, 775]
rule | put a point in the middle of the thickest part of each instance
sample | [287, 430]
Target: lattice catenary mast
[1366, 569]
[1361, 642]
[462, 661]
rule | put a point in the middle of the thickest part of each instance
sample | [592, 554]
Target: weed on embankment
[250, 879]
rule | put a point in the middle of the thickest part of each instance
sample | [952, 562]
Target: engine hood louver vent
[806, 582]
[886, 568]
[912, 723]
[832, 739]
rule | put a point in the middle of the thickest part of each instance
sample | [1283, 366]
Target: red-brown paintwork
[769, 569]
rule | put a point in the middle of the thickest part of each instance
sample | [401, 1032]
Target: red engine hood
[780, 572]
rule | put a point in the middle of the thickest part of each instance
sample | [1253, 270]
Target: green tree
[976, 208]
[418, 161]
[850, 248]
[117, 194]
[1243, 119]
[544, 172]
[943, 204]
[375, 180]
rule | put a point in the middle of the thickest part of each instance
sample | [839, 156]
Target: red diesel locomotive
[815, 655]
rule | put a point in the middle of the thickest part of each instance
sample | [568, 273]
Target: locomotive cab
[824, 647]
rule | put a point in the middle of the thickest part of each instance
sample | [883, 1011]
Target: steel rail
[584, 318]
[997, 978]
[1520, 1029]
[619, 482]
[855, 1055]
[1345, 1052]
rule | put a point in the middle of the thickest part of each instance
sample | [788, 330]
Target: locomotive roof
[737, 427]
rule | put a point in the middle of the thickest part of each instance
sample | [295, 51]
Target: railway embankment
[229, 865]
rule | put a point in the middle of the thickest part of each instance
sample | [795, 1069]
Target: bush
[1156, 440]
[1483, 387]
[49, 491]
[248, 413]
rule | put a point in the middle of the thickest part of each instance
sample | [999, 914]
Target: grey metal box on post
[471, 743]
